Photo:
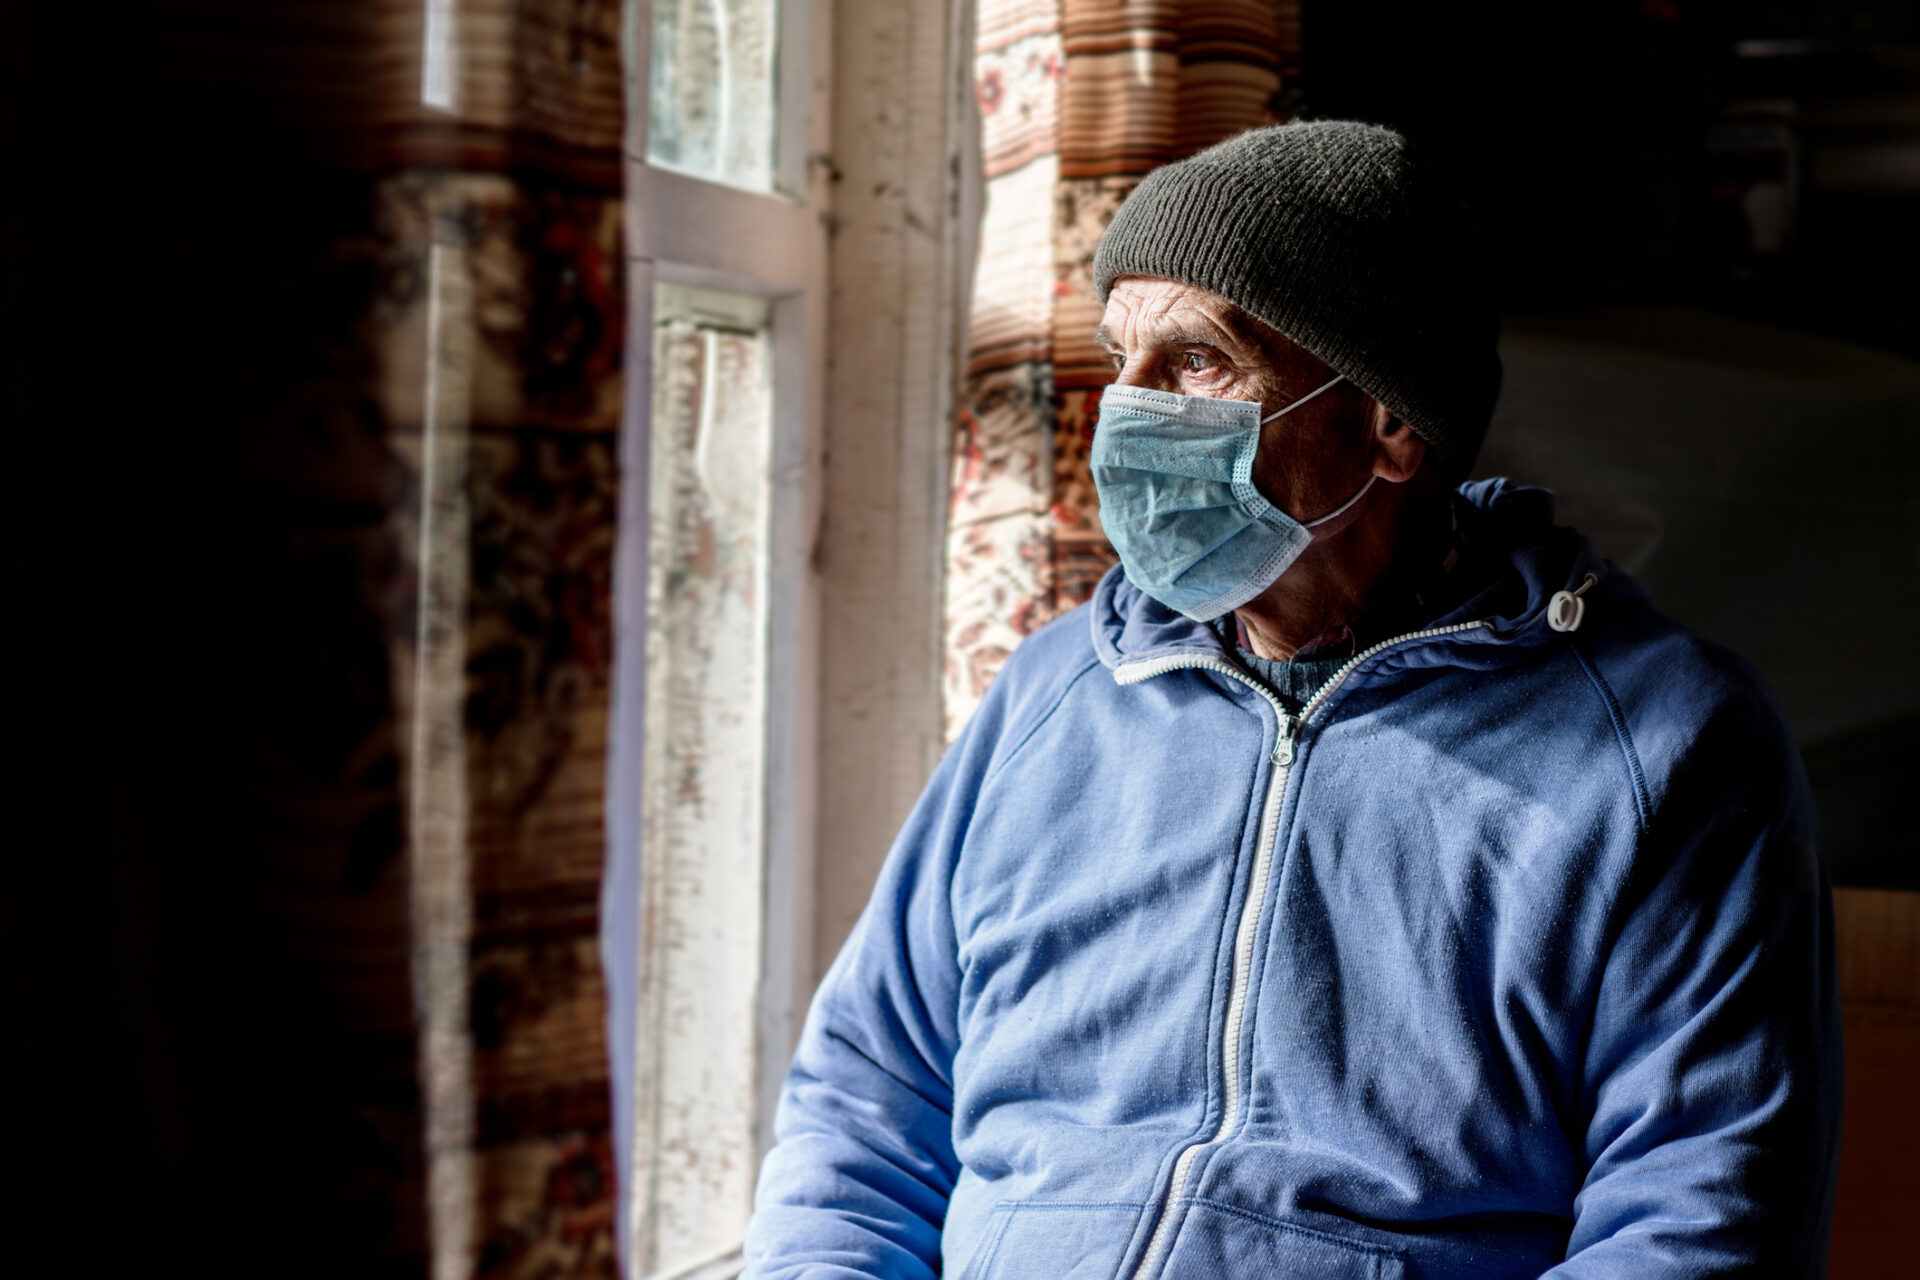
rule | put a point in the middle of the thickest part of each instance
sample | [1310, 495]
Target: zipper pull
[1283, 749]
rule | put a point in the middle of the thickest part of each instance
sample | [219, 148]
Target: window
[704, 810]
[708, 923]
[776, 670]
[712, 92]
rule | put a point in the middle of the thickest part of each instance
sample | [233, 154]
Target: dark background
[189, 688]
[1606, 144]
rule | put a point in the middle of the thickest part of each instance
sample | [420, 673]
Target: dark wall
[200, 782]
[1612, 146]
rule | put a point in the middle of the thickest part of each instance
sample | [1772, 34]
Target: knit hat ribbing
[1341, 237]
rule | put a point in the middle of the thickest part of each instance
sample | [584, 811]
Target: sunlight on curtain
[439, 853]
[1078, 99]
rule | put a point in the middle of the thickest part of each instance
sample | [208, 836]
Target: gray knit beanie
[1344, 239]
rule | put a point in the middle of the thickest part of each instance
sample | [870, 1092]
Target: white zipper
[1245, 934]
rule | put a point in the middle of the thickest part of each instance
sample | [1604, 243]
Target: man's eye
[1196, 362]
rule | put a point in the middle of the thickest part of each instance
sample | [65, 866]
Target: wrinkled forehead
[1151, 309]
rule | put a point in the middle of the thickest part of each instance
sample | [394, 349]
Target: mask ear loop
[1338, 377]
[1344, 507]
[1348, 505]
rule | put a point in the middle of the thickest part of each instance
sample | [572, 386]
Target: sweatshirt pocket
[1217, 1241]
[1026, 1240]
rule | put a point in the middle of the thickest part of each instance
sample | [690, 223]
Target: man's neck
[1338, 580]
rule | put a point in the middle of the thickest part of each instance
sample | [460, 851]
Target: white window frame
[868, 344]
[685, 229]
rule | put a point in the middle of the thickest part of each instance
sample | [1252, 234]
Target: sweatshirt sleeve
[1712, 1075]
[863, 1164]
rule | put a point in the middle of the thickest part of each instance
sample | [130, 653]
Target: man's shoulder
[1038, 674]
[1685, 702]
[1051, 657]
[1657, 666]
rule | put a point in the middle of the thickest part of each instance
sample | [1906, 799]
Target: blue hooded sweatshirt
[1510, 955]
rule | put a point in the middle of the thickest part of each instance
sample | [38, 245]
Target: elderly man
[1367, 881]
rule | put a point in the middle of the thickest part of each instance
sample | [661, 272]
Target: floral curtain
[1078, 99]
[406, 265]
[501, 355]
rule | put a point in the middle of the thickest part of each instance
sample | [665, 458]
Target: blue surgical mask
[1175, 475]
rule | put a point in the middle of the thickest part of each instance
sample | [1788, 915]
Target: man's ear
[1397, 452]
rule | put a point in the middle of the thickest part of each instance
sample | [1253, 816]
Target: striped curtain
[502, 396]
[1078, 99]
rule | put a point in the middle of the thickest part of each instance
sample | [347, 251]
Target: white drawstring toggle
[1566, 610]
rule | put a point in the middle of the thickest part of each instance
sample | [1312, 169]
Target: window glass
[712, 107]
[702, 868]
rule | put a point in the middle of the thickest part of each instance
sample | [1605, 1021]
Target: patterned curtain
[502, 392]
[1078, 100]
[407, 250]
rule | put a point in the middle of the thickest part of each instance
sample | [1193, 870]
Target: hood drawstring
[1566, 610]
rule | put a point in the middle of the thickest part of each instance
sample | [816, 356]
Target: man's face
[1175, 337]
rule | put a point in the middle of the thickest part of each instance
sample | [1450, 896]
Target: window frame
[863, 252]
[685, 229]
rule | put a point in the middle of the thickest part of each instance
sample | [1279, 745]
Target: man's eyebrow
[1179, 337]
[1194, 337]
